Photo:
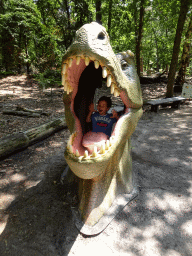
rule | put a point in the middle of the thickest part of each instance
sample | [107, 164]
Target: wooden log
[12, 143]
[45, 130]
[20, 113]
[18, 141]
[152, 80]
[20, 108]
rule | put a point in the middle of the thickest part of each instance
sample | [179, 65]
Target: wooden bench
[174, 102]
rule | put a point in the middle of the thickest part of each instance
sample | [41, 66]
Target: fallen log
[20, 113]
[21, 140]
[45, 130]
[13, 143]
[153, 80]
[20, 108]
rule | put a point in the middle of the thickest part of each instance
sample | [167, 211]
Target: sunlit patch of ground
[157, 223]
[23, 91]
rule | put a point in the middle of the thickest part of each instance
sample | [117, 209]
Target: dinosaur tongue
[92, 139]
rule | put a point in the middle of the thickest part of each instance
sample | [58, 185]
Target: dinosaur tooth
[112, 88]
[102, 150]
[70, 149]
[87, 60]
[64, 68]
[86, 154]
[68, 143]
[95, 154]
[65, 86]
[116, 93]
[78, 58]
[63, 80]
[111, 140]
[77, 153]
[109, 81]
[104, 72]
[68, 89]
[96, 63]
[107, 145]
[70, 62]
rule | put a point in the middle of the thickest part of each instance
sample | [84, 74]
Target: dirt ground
[35, 216]
[24, 91]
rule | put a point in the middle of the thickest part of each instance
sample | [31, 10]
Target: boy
[101, 120]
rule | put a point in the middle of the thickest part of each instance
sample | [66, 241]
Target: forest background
[34, 35]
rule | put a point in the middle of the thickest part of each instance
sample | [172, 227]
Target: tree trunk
[182, 16]
[68, 13]
[27, 55]
[98, 11]
[109, 16]
[157, 48]
[19, 51]
[185, 55]
[139, 37]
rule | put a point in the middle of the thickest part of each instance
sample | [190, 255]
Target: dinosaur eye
[101, 36]
[124, 64]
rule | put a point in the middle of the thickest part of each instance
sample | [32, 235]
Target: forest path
[35, 212]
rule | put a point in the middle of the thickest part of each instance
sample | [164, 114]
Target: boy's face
[102, 107]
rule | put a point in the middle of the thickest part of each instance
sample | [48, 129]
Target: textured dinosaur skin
[105, 173]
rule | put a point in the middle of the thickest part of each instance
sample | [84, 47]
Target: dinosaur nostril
[101, 36]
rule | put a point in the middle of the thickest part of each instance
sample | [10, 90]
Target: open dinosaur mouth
[81, 76]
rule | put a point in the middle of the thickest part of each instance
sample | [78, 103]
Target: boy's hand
[91, 108]
[115, 114]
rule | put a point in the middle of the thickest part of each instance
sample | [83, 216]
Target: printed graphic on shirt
[102, 123]
[103, 118]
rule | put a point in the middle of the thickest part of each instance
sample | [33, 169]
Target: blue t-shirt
[102, 123]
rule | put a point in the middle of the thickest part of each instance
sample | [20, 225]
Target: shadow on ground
[157, 223]
[39, 222]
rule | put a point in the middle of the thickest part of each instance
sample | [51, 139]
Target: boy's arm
[91, 110]
[115, 114]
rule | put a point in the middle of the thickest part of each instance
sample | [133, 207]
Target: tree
[172, 71]
[185, 55]
[18, 26]
[109, 16]
[158, 33]
[98, 12]
[138, 36]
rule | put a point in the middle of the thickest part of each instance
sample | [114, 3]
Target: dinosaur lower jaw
[99, 150]
[72, 69]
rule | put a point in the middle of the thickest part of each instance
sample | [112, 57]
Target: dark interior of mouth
[91, 78]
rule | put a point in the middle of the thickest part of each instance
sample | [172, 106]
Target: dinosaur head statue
[89, 61]
[106, 171]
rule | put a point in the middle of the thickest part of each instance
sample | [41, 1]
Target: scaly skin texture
[104, 174]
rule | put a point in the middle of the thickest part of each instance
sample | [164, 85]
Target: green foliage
[18, 25]
[122, 34]
[49, 78]
[36, 33]
[5, 74]
[159, 32]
